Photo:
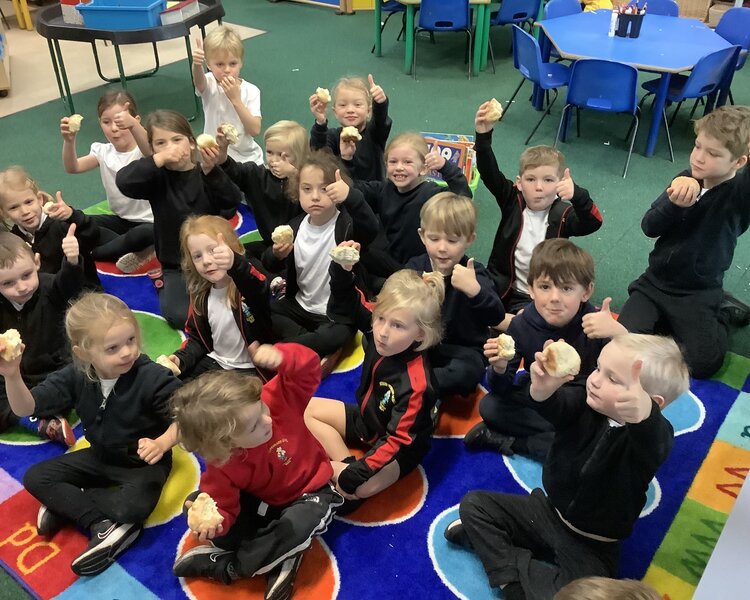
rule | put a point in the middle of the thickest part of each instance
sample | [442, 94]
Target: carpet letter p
[43, 551]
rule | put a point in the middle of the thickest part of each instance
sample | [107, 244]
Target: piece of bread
[350, 134]
[494, 112]
[203, 514]
[506, 346]
[11, 339]
[283, 234]
[206, 141]
[346, 256]
[323, 95]
[230, 132]
[682, 181]
[48, 206]
[74, 123]
[562, 359]
[164, 361]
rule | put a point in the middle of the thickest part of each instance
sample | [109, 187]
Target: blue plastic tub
[120, 15]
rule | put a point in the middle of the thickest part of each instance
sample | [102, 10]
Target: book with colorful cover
[456, 148]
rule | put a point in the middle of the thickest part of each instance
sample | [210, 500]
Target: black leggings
[292, 323]
[119, 236]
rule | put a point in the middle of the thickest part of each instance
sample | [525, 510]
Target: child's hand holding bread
[11, 349]
[203, 517]
[556, 365]
[499, 351]
[684, 191]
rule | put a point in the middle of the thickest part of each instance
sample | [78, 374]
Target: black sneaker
[207, 561]
[108, 541]
[280, 581]
[48, 523]
[734, 312]
[456, 534]
[480, 437]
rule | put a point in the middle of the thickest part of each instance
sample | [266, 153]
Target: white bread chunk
[682, 181]
[562, 359]
[11, 339]
[323, 95]
[350, 134]
[203, 514]
[283, 234]
[74, 123]
[230, 132]
[48, 206]
[164, 361]
[206, 141]
[346, 256]
[506, 346]
[494, 112]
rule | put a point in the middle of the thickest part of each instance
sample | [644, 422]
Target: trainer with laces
[259, 525]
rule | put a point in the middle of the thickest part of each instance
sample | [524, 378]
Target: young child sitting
[228, 300]
[393, 416]
[269, 477]
[561, 281]
[266, 187]
[176, 187]
[333, 212]
[121, 397]
[127, 235]
[227, 98]
[23, 204]
[471, 305]
[398, 200]
[696, 223]
[542, 203]
[34, 304]
[610, 439]
[360, 104]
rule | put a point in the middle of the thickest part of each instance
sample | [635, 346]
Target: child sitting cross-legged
[610, 439]
[270, 478]
[561, 281]
[121, 397]
[471, 306]
[393, 416]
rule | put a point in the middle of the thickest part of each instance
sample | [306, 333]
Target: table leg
[26, 16]
[68, 98]
[378, 33]
[68, 102]
[478, 37]
[120, 69]
[192, 78]
[656, 118]
[484, 50]
[409, 38]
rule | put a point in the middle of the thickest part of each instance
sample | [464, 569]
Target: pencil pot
[629, 25]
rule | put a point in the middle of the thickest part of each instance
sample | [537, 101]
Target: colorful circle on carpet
[458, 414]
[318, 577]
[458, 568]
[351, 356]
[157, 335]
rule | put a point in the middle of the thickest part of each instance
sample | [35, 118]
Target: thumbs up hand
[70, 245]
[602, 324]
[464, 279]
[123, 119]
[377, 93]
[565, 187]
[199, 56]
[222, 254]
[59, 211]
[338, 191]
[633, 404]
[434, 161]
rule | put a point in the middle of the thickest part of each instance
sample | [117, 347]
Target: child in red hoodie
[269, 476]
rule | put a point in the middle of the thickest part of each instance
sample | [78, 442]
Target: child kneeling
[269, 477]
[610, 440]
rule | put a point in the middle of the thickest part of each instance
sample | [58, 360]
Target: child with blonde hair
[127, 236]
[362, 105]
[23, 204]
[228, 300]
[605, 588]
[332, 212]
[398, 200]
[227, 98]
[266, 187]
[393, 417]
[268, 475]
[610, 439]
[447, 229]
[176, 187]
[122, 398]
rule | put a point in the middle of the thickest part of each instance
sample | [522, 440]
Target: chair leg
[578, 121]
[669, 137]
[546, 112]
[731, 98]
[492, 59]
[559, 127]
[674, 114]
[513, 97]
[382, 29]
[632, 141]
[414, 58]
[470, 37]
[695, 105]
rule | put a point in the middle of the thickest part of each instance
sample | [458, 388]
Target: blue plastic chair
[527, 58]
[513, 12]
[560, 8]
[666, 8]
[734, 27]
[706, 77]
[390, 8]
[438, 15]
[605, 86]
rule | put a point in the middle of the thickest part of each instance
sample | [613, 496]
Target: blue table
[666, 45]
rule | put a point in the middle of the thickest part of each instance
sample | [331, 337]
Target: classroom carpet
[393, 546]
